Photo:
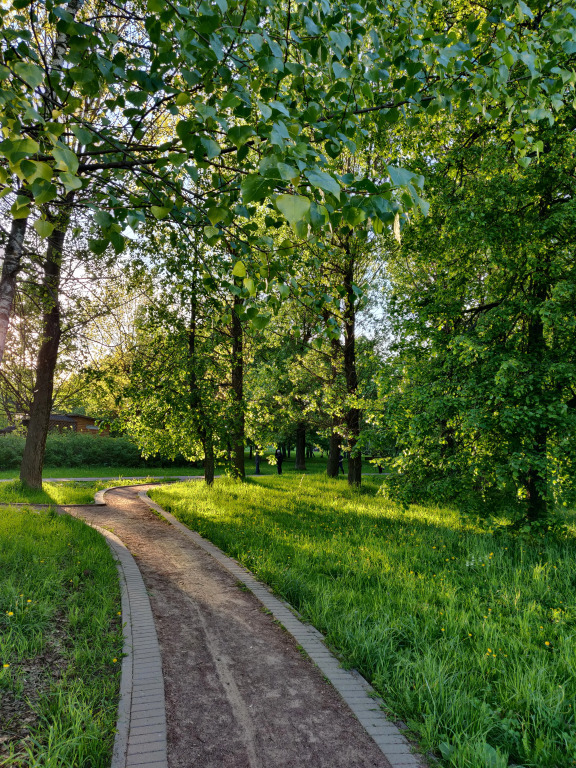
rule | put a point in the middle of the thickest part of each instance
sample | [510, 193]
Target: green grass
[60, 634]
[313, 466]
[69, 492]
[469, 637]
[101, 471]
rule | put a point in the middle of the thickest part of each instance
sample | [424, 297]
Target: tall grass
[60, 642]
[470, 638]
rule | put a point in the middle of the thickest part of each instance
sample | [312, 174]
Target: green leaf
[65, 159]
[239, 269]
[211, 232]
[260, 321]
[354, 216]
[255, 188]
[541, 114]
[400, 176]
[287, 172]
[30, 73]
[43, 227]
[41, 171]
[156, 6]
[211, 148]
[70, 181]
[325, 182]
[293, 207]
[19, 213]
[160, 211]
[265, 110]
[522, 10]
[216, 214]
[44, 192]
[103, 219]
[340, 72]
[249, 285]
[240, 134]
[18, 149]
[82, 75]
[138, 98]
[98, 246]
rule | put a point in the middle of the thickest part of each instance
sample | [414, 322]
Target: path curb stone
[141, 723]
[353, 688]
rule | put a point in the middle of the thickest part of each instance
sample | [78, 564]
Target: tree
[483, 393]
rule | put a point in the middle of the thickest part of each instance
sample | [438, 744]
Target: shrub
[73, 449]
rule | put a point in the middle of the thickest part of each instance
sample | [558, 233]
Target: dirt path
[238, 692]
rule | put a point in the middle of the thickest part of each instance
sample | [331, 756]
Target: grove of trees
[256, 221]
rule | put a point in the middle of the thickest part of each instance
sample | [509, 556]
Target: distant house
[73, 422]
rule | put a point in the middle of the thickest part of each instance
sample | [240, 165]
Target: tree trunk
[300, 462]
[34, 449]
[10, 269]
[208, 459]
[535, 480]
[333, 454]
[15, 244]
[352, 417]
[238, 441]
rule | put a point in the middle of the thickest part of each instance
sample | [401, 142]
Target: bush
[72, 449]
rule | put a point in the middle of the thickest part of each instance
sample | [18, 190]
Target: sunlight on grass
[61, 493]
[60, 642]
[468, 636]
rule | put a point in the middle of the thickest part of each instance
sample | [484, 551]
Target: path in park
[238, 692]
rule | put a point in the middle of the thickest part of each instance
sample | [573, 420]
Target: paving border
[141, 723]
[357, 693]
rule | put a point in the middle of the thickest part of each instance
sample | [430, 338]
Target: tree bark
[352, 417]
[535, 481]
[332, 466]
[208, 459]
[238, 439]
[10, 269]
[34, 449]
[300, 462]
[15, 244]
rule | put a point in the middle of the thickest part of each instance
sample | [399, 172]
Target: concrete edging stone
[141, 670]
[141, 674]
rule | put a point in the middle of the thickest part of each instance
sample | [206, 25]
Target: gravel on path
[239, 694]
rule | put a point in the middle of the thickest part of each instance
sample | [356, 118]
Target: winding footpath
[218, 673]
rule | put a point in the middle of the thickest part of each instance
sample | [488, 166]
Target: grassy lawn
[57, 493]
[104, 471]
[60, 643]
[469, 637]
[313, 466]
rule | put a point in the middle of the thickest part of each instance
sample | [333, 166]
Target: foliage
[261, 96]
[481, 393]
[70, 449]
[60, 635]
[467, 637]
